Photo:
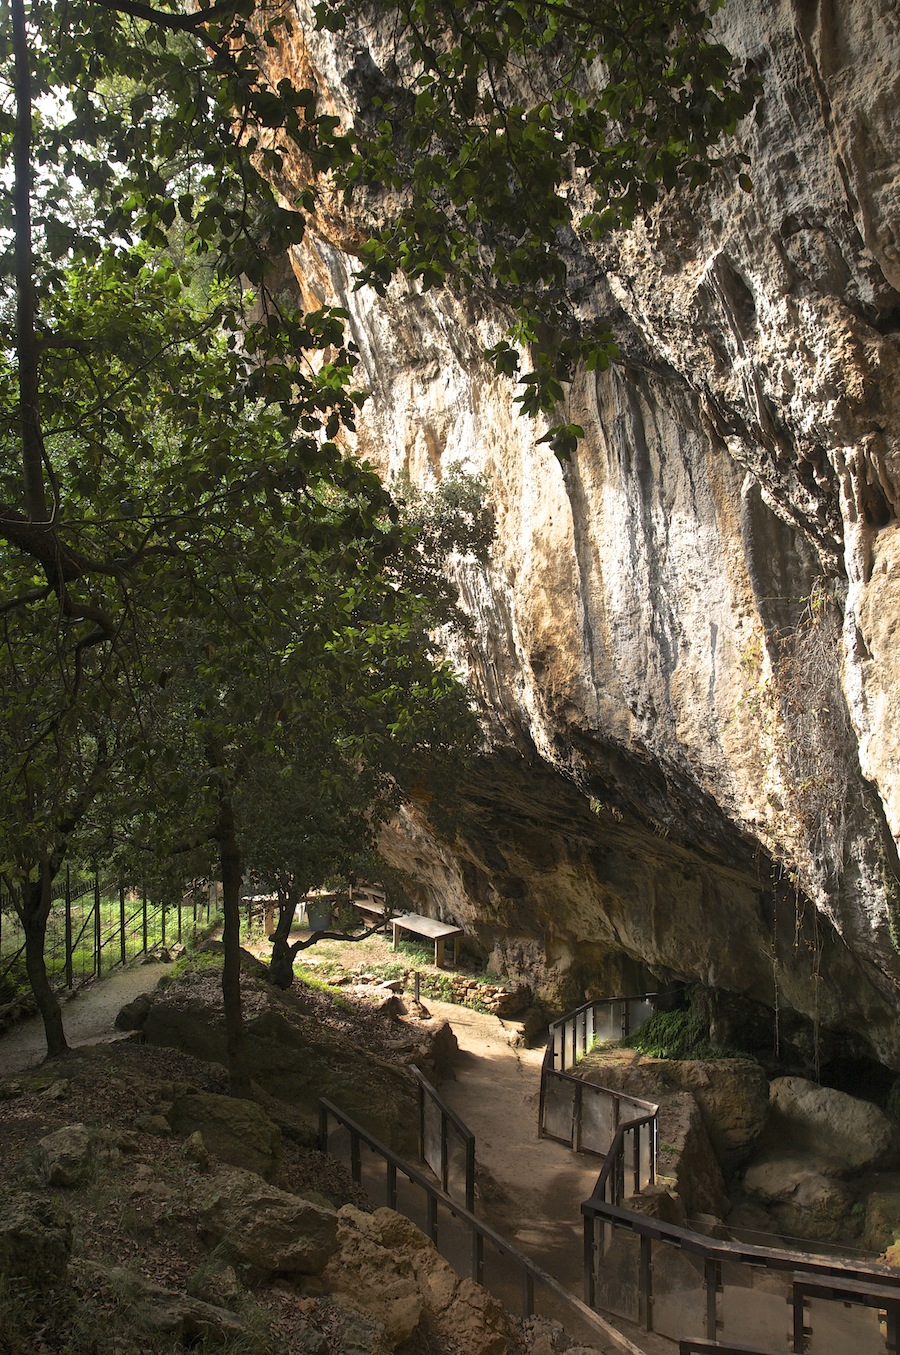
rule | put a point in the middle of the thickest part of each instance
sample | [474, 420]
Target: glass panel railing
[431, 1149]
[598, 1119]
[832, 1326]
[755, 1306]
[639, 1011]
[559, 1108]
[608, 1020]
[646, 1155]
[617, 1278]
[679, 1292]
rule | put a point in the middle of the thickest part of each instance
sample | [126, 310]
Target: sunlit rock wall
[685, 643]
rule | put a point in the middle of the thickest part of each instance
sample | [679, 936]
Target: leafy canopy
[509, 133]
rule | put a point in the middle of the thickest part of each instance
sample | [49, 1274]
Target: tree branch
[179, 23]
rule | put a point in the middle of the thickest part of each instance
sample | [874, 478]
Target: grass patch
[311, 979]
[675, 1035]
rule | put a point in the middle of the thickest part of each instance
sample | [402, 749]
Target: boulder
[133, 1015]
[352, 1333]
[803, 1201]
[390, 1271]
[436, 1049]
[66, 1156]
[35, 1237]
[881, 1228]
[845, 1133]
[238, 1132]
[267, 1228]
[686, 1160]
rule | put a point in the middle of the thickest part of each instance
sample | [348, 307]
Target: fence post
[144, 915]
[123, 949]
[470, 1176]
[162, 916]
[98, 949]
[179, 919]
[445, 1153]
[70, 978]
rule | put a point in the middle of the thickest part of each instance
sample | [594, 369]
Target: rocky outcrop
[684, 642]
[237, 1131]
[390, 1271]
[260, 1226]
[35, 1237]
[732, 1094]
[293, 1056]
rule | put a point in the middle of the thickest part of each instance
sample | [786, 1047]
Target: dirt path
[88, 1017]
[531, 1188]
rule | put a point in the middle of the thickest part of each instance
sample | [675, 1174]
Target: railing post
[391, 1186]
[355, 1158]
[98, 949]
[445, 1153]
[123, 949]
[576, 1116]
[799, 1325]
[421, 1094]
[470, 1176]
[70, 977]
[477, 1256]
[527, 1293]
[645, 1288]
[179, 919]
[323, 1126]
[590, 1242]
[431, 1227]
[162, 920]
[711, 1277]
[144, 916]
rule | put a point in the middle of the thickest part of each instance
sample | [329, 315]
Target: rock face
[684, 644]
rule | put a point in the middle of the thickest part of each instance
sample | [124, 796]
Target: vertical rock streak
[646, 645]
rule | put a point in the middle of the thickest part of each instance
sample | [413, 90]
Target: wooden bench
[430, 927]
[377, 907]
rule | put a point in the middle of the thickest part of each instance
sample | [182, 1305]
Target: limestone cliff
[684, 643]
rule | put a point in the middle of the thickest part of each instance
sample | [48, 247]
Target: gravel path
[88, 1017]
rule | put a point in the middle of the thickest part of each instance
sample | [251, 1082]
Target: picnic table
[431, 928]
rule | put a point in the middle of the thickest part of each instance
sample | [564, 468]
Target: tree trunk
[281, 965]
[33, 910]
[230, 864]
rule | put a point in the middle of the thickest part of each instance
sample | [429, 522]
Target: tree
[171, 442]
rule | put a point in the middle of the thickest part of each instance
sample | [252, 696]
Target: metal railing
[445, 1143]
[670, 1280]
[93, 926]
[699, 1346]
[466, 1241]
[581, 1114]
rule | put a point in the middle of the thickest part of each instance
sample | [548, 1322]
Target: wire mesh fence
[96, 924]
